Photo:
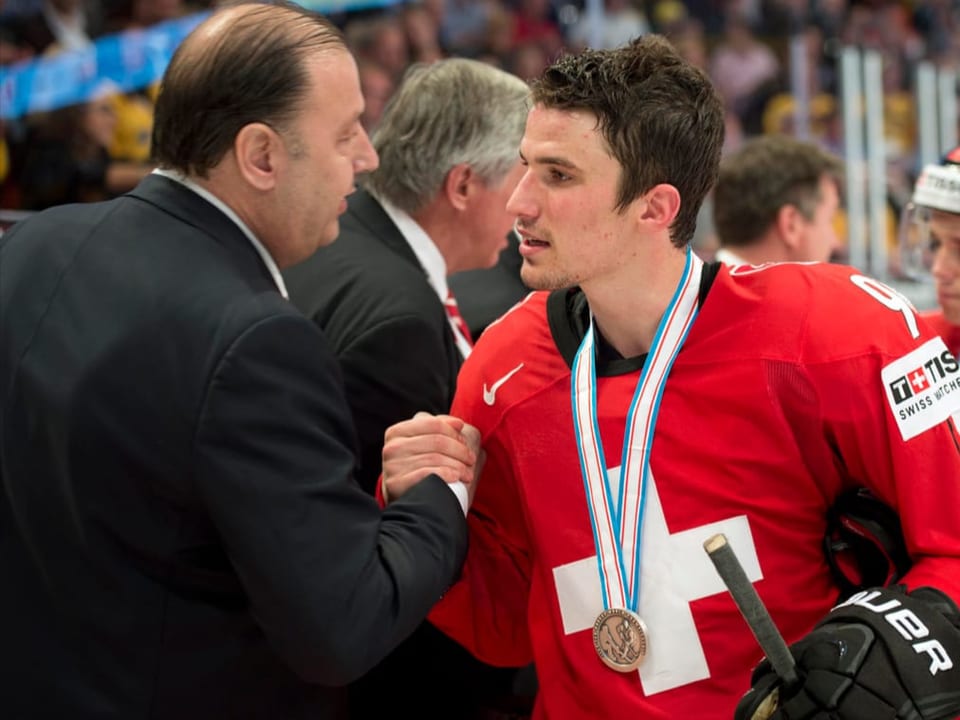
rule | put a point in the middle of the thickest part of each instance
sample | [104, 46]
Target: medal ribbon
[617, 526]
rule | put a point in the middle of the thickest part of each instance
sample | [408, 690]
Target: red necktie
[453, 312]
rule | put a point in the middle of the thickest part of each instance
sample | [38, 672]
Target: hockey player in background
[931, 226]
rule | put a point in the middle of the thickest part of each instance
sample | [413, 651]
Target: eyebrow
[549, 160]
[349, 124]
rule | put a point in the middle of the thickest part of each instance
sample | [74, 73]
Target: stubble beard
[543, 279]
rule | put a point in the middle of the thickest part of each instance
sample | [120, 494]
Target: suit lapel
[369, 213]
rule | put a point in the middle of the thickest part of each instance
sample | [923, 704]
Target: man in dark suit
[180, 534]
[449, 158]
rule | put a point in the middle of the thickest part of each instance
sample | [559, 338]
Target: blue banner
[130, 61]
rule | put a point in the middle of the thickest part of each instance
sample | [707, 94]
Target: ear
[258, 149]
[458, 185]
[789, 224]
[661, 206]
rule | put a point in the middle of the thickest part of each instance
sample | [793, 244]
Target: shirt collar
[729, 258]
[423, 247]
[228, 211]
[430, 258]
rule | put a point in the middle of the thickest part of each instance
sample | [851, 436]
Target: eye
[351, 132]
[557, 176]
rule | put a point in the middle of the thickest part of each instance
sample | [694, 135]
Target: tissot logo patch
[923, 388]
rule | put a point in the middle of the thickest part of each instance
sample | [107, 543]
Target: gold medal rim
[638, 625]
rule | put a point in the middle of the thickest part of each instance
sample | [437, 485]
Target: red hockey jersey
[795, 383]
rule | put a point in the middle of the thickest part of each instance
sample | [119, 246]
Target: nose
[944, 267]
[366, 159]
[521, 202]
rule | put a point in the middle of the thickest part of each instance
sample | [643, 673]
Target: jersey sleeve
[886, 399]
[486, 610]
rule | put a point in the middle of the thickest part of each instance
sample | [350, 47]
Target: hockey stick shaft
[752, 608]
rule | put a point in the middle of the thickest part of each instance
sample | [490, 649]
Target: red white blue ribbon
[617, 522]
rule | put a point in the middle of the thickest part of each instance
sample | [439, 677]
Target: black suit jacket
[180, 536]
[398, 354]
[385, 322]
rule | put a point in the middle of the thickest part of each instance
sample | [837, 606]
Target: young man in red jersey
[644, 402]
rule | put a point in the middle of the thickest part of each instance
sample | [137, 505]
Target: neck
[438, 224]
[770, 249]
[628, 309]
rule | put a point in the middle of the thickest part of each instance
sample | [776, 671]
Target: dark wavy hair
[660, 116]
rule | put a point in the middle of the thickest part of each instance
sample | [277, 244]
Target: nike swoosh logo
[490, 394]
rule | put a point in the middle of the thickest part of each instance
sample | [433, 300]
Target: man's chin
[540, 281]
[330, 234]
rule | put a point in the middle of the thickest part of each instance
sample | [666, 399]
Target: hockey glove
[880, 655]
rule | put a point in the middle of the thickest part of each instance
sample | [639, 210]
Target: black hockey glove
[881, 655]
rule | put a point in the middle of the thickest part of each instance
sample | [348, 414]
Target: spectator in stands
[617, 24]
[775, 201]
[134, 124]
[465, 25]
[377, 86]
[938, 23]
[527, 60]
[423, 33]
[64, 24]
[139, 14]
[19, 7]
[12, 49]
[742, 67]
[498, 44]
[688, 37]
[66, 156]
[448, 145]
[534, 21]
[134, 110]
[383, 40]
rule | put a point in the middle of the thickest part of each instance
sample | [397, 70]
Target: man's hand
[881, 655]
[430, 444]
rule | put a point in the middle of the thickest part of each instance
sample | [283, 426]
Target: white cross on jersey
[674, 570]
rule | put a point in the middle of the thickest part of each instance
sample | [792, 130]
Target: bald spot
[236, 22]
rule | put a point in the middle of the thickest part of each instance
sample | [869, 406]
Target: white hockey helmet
[937, 188]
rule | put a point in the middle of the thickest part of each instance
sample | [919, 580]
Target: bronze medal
[620, 638]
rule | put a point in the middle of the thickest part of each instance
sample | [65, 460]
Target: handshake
[431, 445]
[883, 654]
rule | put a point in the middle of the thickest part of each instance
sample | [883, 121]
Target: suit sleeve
[486, 610]
[334, 582]
[391, 372]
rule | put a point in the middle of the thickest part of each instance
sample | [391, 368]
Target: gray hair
[449, 112]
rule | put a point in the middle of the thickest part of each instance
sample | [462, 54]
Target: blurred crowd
[101, 148]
